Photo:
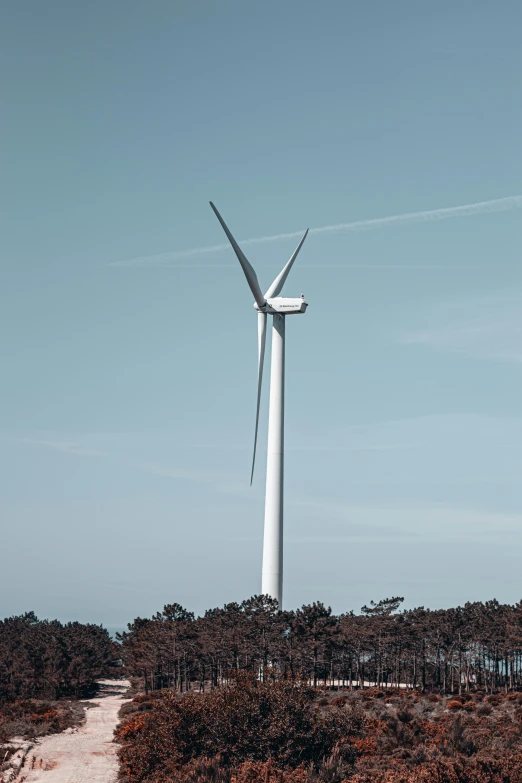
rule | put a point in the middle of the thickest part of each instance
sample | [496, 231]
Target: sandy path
[83, 755]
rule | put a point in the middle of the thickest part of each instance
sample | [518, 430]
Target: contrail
[478, 208]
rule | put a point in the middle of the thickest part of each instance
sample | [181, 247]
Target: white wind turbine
[278, 307]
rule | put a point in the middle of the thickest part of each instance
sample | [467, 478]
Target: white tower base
[272, 576]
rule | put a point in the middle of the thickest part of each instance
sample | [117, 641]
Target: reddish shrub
[410, 739]
[248, 722]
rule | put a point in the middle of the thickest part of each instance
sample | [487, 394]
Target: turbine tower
[278, 307]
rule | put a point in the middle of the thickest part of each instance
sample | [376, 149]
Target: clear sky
[129, 365]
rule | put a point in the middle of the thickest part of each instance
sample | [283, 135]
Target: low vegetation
[286, 732]
[251, 721]
[30, 718]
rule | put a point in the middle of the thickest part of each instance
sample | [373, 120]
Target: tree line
[48, 659]
[477, 646]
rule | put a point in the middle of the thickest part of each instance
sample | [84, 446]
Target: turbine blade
[247, 268]
[280, 280]
[261, 340]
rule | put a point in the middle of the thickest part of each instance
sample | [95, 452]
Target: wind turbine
[278, 307]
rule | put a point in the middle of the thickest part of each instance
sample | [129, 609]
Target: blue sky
[129, 363]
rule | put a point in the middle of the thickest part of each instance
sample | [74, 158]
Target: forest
[48, 659]
[446, 651]
[45, 666]
[249, 694]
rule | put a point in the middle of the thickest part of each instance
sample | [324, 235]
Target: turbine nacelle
[283, 305]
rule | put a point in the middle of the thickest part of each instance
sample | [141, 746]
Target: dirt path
[83, 755]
